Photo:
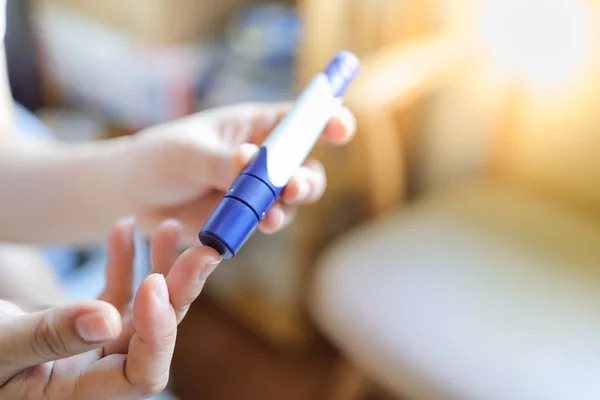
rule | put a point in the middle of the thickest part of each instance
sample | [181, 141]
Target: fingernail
[172, 223]
[348, 119]
[209, 269]
[349, 123]
[130, 220]
[162, 292]
[127, 231]
[176, 228]
[94, 327]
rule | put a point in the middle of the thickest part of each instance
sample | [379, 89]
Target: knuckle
[47, 341]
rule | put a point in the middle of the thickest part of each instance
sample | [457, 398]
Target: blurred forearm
[60, 193]
[27, 280]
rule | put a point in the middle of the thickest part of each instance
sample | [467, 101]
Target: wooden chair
[460, 294]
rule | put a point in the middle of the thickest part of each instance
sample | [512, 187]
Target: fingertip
[303, 191]
[199, 255]
[348, 120]
[147, 294]
[203, 259]
[297, 191]
[97, 322]
[273, 221]
[152, 285]
[112, 318]
[153, 314]
[165, 246]
[209, 255]
[107, 307]
[171, 225]
[315, 167]
[122, 233]
[291, 191]
[126, 222]
[168, 231]
[342, 127]
[161, 292]
[119, 268]
[188, 275]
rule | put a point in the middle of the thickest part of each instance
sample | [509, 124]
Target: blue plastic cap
[241, 210]
[229, 226]
[341, 71]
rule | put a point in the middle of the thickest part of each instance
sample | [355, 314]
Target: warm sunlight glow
[547, 41]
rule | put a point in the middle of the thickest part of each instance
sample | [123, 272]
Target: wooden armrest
[400, 73]
[394, 77]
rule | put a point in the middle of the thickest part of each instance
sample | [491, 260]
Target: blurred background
[456, 254]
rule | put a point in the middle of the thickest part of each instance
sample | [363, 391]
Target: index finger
[340, 130]
[188, 275]
[119, 269]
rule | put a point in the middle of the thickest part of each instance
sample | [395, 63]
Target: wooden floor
[218, 359]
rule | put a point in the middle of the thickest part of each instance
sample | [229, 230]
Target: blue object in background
[258, 60]
[266, 34]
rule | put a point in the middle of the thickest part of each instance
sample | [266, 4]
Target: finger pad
[272, 221]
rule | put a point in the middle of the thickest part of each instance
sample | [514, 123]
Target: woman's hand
[182, 169]
[71, 193]
[101, 349]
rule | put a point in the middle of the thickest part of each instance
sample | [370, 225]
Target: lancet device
[260, 184]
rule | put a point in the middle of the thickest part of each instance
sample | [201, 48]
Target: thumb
[31, 339]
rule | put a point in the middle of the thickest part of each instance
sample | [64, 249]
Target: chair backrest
[544, 139]
[358, 187]
[361, 26]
